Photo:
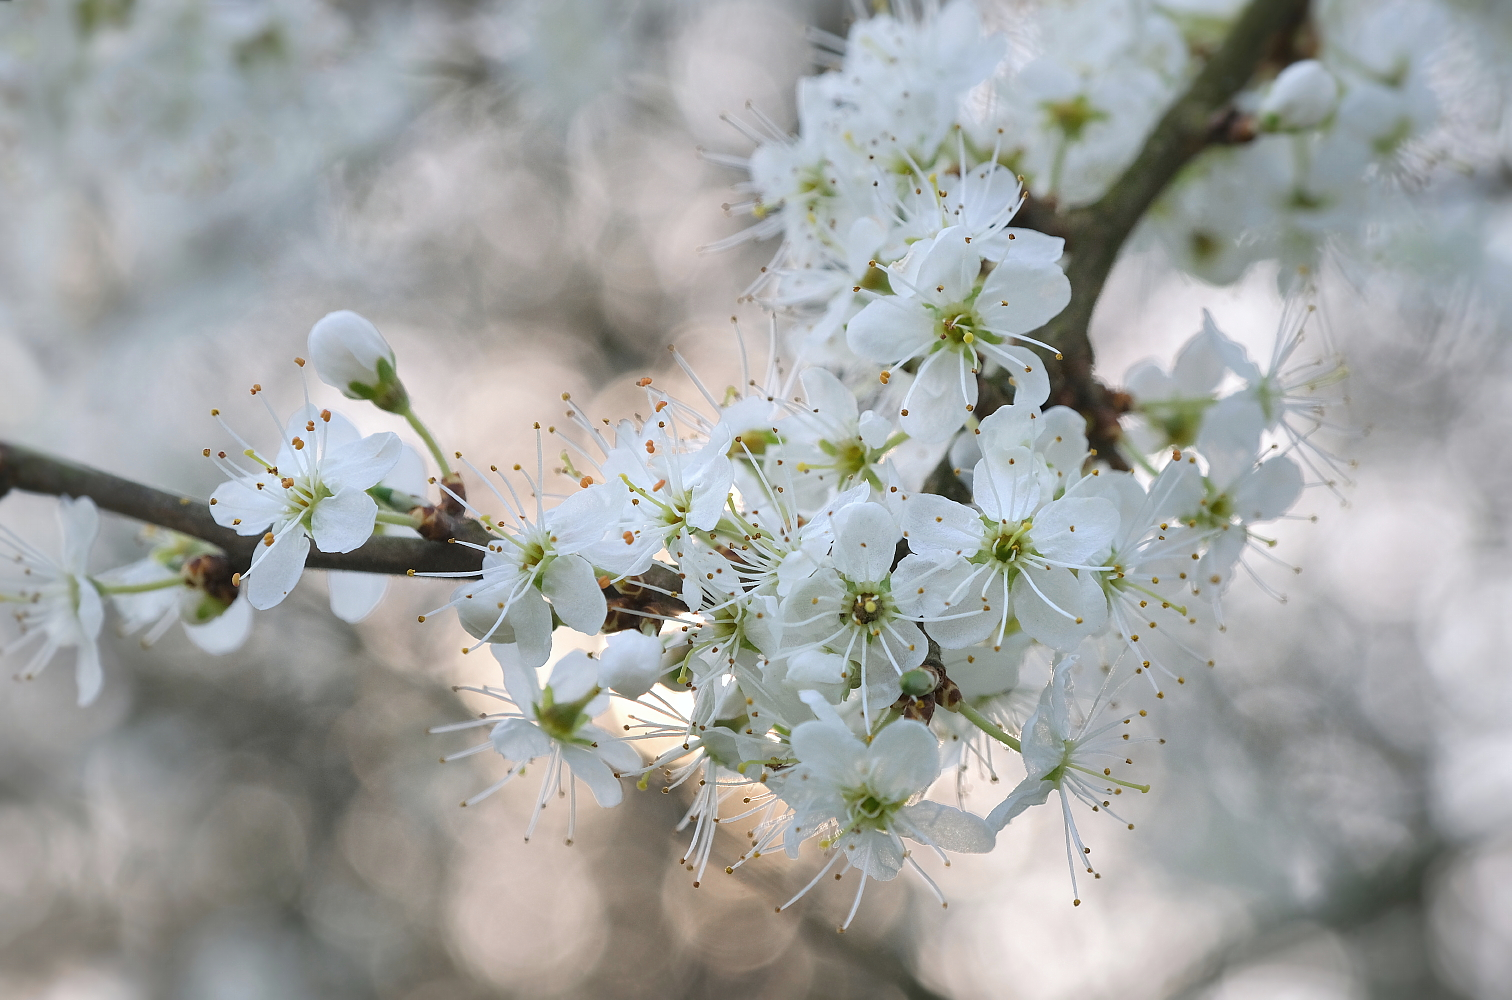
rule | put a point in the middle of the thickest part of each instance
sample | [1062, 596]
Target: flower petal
[519, 741]
[355, 595]
[520, 681]
[277, 570]
[596, 774]
[890, 330]
[1034, 292]
[225, 633]
[1057, 607]
[947, 828]
[1074, 530]
[831, 753]
[79, 523]
[575, 595]
[245, 509]
[866, 537]
[573, 677]
[343, 522]
[903, 760]
[361, 464]
[1029, 792]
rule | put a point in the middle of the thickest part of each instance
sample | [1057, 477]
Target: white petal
[87, 673]
[573, 676]
[903, 760]
[1075, 530]
[79, 523]
[596, 774]
[1032, 246]
[519, 741]
[1063, 441]
[630, 662]
[874, 429]
[1029, 792]
[531, 619]
[479, 611]
[244, 508]
[935, 525]
[355, 595]
[866, 537]
[1079, 597]
[815, 667]
[277, 571]
[1007, 485]
[942, 389]
[948, 828]
[582, 519]
[1031, 380]
[520, 681]
[1036, 293]
[575, 595]
[949, 270]
[343, 522]
[891, 329]
[1200, 365]
[1233, 353]
[711, 494]
[225, 633]
[827, 396]
[832, 753]
[1269, 491]
[408, 474]
[361, 464]
[334, 433]
[90, 614]
[619, 755]
[1232, 426]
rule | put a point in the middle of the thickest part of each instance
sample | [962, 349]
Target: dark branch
[33, 472]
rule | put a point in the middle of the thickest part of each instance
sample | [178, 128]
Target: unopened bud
[350, 354]
[916, 683]
[1302, 97]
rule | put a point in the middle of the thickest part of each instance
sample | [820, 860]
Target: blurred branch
[1200, 117]
[1095, 233]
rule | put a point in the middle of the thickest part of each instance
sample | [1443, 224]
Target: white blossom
[53, 602]
[314, 489]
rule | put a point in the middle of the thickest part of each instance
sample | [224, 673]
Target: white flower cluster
[809, 640]
[1334, 129]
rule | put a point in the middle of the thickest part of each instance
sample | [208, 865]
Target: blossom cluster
[796, 628]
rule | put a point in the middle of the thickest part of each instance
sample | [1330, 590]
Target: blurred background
[513, 192]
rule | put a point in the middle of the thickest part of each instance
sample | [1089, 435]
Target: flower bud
[1302, 97]
[350, 354]
[630, 663]
[210, 572]
[917, 683]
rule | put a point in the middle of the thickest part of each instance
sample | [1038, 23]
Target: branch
[1096, 233]
[34, 472]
